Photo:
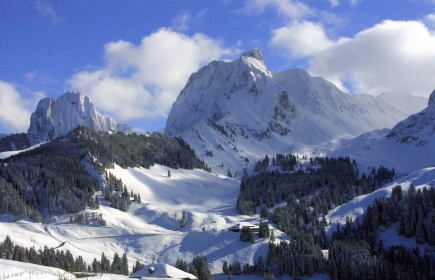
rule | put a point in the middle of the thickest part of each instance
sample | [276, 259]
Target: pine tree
[420, 236]
[246, 235]
[183, 220]
[264, 231]
[105, 263]
[182, 265]
[193, 271]
[138, 266]
[96, 266]
[97, 203]
[264, 212]
[225, 267]
[201, 266]
[116, 264]
[272, 236]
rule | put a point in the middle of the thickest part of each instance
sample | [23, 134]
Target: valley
[242, 145]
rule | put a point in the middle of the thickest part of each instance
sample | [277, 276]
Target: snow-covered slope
[407, 147]
[150, 231]
[358, 206]
[15, 270]
[241, 110]
[54, 118]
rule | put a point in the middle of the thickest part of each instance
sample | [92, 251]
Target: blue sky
[133, 57]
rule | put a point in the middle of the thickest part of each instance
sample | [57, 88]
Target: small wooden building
[238, 227]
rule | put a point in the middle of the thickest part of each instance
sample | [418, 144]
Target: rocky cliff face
[418, 128]
[54, 118]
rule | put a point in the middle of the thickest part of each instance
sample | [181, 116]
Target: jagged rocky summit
[54, 118]
[233, 112]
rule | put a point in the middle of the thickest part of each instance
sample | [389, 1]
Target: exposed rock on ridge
[431, 98]
[418, 128]
[54, 118]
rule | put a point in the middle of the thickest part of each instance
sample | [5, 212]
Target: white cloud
[15, 109]
[301, 39]
[144, 80]
[393, 56]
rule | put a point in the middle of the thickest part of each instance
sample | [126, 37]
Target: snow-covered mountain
[236, 111]
[407, 147]
[54, 118]
[230, 113]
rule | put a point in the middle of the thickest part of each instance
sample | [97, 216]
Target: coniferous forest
[355, 250]
[54, 175]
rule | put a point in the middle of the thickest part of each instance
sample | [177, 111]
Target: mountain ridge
[404, 147]
[242, 106]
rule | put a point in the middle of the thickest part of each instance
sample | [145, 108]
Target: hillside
[151, 231]
[405, 147]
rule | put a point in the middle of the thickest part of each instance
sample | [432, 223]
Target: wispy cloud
[183, 21]
[291, 9]
[47, 11]
[429, 20]
[335, 3]
[35, 77]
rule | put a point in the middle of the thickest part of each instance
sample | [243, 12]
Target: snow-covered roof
[241, 225]
[161, 271]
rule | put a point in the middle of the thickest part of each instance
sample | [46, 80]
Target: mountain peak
[254, 53]
[431, 98]
[54, 118]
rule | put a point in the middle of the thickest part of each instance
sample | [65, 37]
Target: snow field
[151, 232]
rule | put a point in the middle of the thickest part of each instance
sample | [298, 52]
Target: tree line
[62, 259]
